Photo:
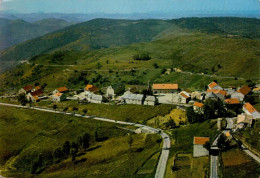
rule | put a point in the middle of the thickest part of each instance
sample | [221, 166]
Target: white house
[110, 92]
[198, 148]
[60, 90]
[34, 96]
[250, 110]
[165, 88]
[130, 98]
[184, 97]
[198, 107]
[244, 120]
[214, 85]
[95, 98]
[150, 100]
[241, 93]
[25, 90]
[58, 97]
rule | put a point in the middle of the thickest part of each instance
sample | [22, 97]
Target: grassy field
[187, 166]
[237, 164]
[250, 136]
[131, 113]
[27, 135]
[183, 136]
[177, 115]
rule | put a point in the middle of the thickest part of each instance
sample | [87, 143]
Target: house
[215, 86]
[34, 96]
[198, 146]
[198, 107]
[91, 88]
[110, 92]
[93, 98]
[58, 97]
[244, 120]
[241, 93]
[232, 101]
[150, 100]
[214, 93]
[61, 90]
[250, 110]
[114, 90]
[25, 90]
[256, 90]
[196, 95]
[165, 88]
[184, 97]
[130, 98]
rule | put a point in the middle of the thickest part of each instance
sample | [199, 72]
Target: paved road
[161, 167]
[213, 166]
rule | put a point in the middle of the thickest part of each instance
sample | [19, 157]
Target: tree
[65, 109]
[85, 141]
[98, 65]
[54, 107]
[74, 150]
[75, 109]
[171, 124]
[193, 116]
[22, 99]
[85, 111]
[58, 155]
[223, 144]
[66, 148]
[207, 145]
[155, 65]
[130, 141]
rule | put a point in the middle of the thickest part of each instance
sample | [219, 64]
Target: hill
[104, 33]
[16, 31]
[35, 143]
[200, 56]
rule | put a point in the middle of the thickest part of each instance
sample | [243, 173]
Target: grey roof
[131, 96]
[211, 95]
[150, 98]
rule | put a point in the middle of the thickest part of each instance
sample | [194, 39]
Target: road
[213, 166]
[161, 167]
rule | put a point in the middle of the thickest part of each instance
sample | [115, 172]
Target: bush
[143, 56]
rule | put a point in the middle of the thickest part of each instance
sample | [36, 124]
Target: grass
[177, 115]
[183, 136]
[131, 113]
[237, 163]
[187, 166]
[251, 137]
[26, 134]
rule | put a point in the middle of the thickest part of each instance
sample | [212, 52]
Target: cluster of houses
[233, 99]
[161, 94]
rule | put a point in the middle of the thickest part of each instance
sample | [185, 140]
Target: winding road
[161, 167]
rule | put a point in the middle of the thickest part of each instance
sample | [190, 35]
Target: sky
[128, 6]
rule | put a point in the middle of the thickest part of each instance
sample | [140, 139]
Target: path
[161, 167]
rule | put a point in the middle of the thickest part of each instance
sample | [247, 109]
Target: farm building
[150, 100]
[58, 97]
[198, 146]
[165, 88]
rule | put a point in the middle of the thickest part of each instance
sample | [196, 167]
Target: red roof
[212, 85]
[198, 104]
[28, 88]
[37, 93]
[244, 90]
[249, 107]
[232, 101]
[185, 96]
[165, 86]
[62, 89]
[200, 140]
[37, 87]
[91, 88]
[222, 92]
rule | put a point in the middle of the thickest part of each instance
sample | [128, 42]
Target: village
[233, 99]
